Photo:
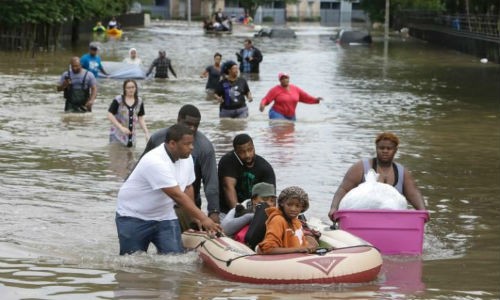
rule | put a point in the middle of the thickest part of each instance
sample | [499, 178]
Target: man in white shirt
[162, 178]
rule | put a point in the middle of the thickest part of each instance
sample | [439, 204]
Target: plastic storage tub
[391, 231]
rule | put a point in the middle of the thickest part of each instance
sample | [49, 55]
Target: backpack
[257, 228]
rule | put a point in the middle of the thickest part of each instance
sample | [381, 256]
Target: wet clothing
[78, 92]
[205, 166]
[233, 222]
[128, 116]
[92, 64]
[246, 178]
[162, 65]
[141, 195]
[247, 66]
[213, 77]
[112, 24]
[135, 235]
[280, 233]
[286, 100]
[234, 95]
[399, 172]
[145, 213]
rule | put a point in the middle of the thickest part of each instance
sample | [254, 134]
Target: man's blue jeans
[135, 235]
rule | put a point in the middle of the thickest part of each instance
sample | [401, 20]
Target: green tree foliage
[20, 12]
[25, 24]
[376, 8]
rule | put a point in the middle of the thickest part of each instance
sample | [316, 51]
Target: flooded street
[60, 177]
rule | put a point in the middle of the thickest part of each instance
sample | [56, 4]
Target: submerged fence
[478, 35]
[480, 25]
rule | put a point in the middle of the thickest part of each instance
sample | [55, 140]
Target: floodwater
[59, 176]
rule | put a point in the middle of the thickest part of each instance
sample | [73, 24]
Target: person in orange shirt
[284, 232]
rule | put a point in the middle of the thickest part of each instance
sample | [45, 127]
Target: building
[327, 12]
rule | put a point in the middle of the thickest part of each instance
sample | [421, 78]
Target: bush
[312, 19]
[268, 19]
[292, 19]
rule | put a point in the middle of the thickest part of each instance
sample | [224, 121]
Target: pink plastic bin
[391, 231]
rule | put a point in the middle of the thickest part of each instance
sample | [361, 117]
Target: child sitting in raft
[237, 220]
[284, 231]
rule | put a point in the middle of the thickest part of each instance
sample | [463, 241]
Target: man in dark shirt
[203, 155]
[239, 170]
[162, 64]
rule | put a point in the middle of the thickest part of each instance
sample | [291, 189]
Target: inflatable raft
[352, 260]
[114, 32]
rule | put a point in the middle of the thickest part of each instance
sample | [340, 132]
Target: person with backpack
[79, 86]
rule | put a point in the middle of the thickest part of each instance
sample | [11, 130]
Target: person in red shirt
[285, 97]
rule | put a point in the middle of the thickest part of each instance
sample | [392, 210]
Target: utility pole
[386, 23]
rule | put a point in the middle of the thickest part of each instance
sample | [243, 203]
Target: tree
[30, 22]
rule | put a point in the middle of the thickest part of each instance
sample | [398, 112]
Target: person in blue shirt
[92, 61]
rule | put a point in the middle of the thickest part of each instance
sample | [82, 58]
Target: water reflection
[403, 274]
[121, 159]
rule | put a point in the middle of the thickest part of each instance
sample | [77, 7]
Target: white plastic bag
[372, 194]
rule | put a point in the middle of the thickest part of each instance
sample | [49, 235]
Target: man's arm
[153, 64]
[210, 179]
[229, 190]
[93, 95]
[102, 69]
[411, 191]
[187, 203]
[64, 84]
[172, 69]
[257, 56]
[352, 179]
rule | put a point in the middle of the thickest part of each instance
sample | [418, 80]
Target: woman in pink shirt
[285, 97]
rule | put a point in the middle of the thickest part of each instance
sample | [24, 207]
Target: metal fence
[485, 25]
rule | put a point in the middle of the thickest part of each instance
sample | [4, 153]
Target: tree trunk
[75, 31]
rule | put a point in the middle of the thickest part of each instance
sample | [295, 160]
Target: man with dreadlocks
[284, 231]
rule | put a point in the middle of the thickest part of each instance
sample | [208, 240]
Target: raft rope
[322, 251]
[229, 261]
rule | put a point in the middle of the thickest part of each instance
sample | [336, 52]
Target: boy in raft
[284, 231]
[237, 220]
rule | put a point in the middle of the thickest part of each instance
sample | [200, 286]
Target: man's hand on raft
[210, 226]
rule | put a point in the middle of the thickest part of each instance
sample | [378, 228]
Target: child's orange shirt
[279, 233]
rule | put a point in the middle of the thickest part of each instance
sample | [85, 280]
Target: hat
[228, 64]
[93, 46]
[281, 74]
[263, 189]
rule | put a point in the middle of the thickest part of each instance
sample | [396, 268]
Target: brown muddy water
[59, 176]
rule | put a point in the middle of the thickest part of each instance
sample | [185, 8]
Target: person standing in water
[133, 58]
[162, 64]
[79, 86]
[124, 113]
[232, 92]
[92, 61]
[213, 72]
[390, 172]
[286, 96]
